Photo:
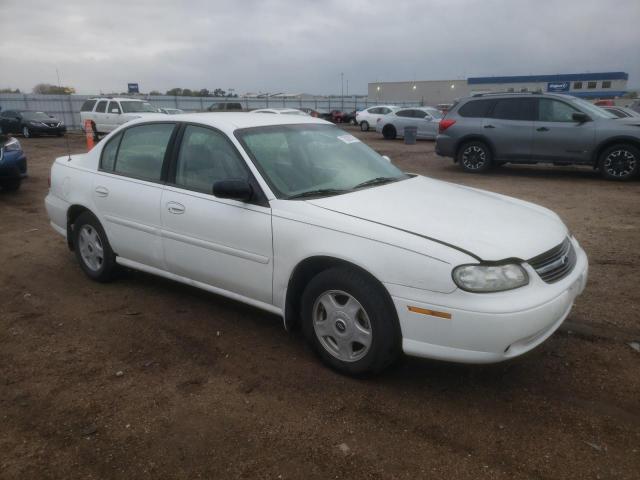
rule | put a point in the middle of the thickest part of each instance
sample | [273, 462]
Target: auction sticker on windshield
[348, 138]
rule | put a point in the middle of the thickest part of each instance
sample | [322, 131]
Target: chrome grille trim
[555, 264]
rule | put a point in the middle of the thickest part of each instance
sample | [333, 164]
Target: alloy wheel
[342, 325]
[620, 163]
[26, 132]
[474, 157]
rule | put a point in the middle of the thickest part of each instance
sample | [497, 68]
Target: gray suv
[492, 129]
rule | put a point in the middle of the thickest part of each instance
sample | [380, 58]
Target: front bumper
[42, 130]
[13, 166]
[505, 325]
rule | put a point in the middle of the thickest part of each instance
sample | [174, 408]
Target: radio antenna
[66, 138]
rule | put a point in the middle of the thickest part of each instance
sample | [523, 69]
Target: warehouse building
[430, 92]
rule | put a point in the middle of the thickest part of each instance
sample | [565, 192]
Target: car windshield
[35, 116]
[592, 109]
[314, 160]
[134, 106]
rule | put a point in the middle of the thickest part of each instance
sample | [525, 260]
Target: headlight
[490, 278]
[12, 144]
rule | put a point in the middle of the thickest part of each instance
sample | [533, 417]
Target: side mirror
[386, 158]
[235, 189]
[580, 117]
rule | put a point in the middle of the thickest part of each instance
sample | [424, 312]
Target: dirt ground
[145, 378]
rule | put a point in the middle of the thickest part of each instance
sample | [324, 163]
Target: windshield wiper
[317, 193]
[375, 181]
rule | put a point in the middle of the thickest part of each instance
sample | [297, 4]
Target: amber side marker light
[433, 313]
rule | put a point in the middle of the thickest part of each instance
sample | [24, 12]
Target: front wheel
[619, 162]
[364, 126]
[26, 132]
[389, 132]
[350, 322]
[474, 157]
[92, 248]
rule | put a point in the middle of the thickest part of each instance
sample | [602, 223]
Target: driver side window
[555, 111]
[206, 156]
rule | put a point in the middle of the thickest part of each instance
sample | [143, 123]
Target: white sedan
[293, 215]
[425, 119]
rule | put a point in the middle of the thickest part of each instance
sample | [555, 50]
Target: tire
[619, 162]
[26, 132]
[475, 157]
[11, 185]
[88, 235]
[341, 306]
[389, 132]
[353, 122]
[364, 126]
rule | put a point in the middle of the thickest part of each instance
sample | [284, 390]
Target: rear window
[88, 106]
[476, 108]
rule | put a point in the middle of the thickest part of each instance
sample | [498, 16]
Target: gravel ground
[145, 378]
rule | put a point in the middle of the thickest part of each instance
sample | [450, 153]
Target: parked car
[349, 117]
[337, 116]
[170, 111]
[492, 129]
[635, 106]
[31, 123]
[425, 119]
[280, 111]
[604, 103]
[444, 107]
[107, 113]
[293, 215]
[310, 111]
[13, 163]
[622, 112]
[226, 107]
[368, 117]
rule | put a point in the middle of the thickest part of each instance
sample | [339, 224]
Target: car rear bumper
[445, 146]
[482, 336]
[13, 166]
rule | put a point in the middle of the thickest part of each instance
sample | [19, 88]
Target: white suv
[106, 114]
[368, 117]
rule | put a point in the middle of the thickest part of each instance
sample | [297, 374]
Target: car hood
[484, 224]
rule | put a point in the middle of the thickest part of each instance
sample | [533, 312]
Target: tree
[48, 89]
[9, 90]
[154, 92]
[204, 93]
[175, 92]
[187, 92]
[218, 92]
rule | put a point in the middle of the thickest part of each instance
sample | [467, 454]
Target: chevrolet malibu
[297, 217]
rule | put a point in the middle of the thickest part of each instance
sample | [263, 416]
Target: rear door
[427, 124]
[510, 128]
[113, 116]
[559, 138]
[128, 188]
[100, 116]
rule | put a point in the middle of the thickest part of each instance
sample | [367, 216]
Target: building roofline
[561, 77]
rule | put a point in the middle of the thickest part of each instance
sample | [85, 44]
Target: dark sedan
[31, 123]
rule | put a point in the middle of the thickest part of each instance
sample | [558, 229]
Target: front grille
[555, 264]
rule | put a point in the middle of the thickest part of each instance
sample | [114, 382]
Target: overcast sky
[303, 45]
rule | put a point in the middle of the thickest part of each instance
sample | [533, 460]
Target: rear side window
[88, 106]
[142, 151]
[476, 108]
[514, 109]
[114, 107]
[101, 107]
[108, 156]
[418, 113]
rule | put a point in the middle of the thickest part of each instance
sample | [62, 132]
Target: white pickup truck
[106, 114]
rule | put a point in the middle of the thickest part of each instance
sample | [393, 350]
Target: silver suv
[492, 129]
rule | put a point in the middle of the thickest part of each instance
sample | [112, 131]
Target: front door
[557, 137]
[223, 243]
[113, 116]
[127, 191]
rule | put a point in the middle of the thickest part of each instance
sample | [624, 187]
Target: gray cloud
[302, 46]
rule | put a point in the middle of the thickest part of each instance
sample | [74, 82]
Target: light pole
[342, 91]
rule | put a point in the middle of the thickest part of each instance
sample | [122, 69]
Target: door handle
[489, 126]
[102, 191]
[175, 208]
[542, 129]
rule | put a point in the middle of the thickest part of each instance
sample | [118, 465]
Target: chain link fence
[67, 107]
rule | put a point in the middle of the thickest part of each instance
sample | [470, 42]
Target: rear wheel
[364, 126]
[92, 248]
[474, 157]
[389, 132]
[619, 162]
[350, 322]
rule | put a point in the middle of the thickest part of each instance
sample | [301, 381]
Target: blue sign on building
[557, 86]
[133, 88]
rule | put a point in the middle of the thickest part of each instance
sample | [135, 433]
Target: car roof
[119, 99]
[230, 121]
